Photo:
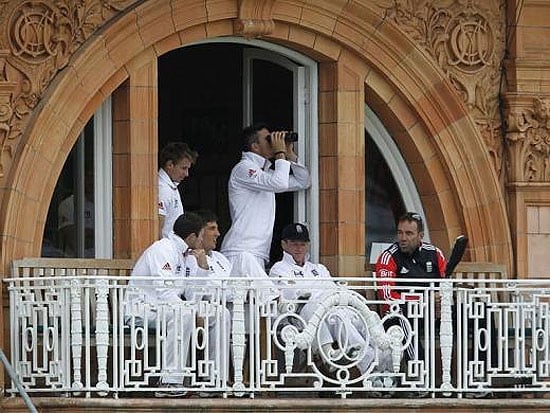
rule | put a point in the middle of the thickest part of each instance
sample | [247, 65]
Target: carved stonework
[467, 40]
[38, 41]
[528, 137]
[255, 18]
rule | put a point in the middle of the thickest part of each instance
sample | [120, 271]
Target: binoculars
[289, 137]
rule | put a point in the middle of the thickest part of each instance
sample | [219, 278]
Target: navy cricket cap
[295, 232]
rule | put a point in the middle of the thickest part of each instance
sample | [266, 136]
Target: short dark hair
[187, 224]
[175, 151]
[250, 134]
[207, 215]
[413, 217]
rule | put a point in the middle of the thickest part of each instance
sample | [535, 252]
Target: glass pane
[69, 230]
[384, 203]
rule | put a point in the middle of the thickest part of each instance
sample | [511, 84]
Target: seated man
[412, 258]
[158, 302]
[219, 268]
[298, 274]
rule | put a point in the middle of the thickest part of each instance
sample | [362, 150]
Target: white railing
[79, 336]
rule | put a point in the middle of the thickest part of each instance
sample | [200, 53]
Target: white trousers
[174, 328]
[219, 331]
[245, 264]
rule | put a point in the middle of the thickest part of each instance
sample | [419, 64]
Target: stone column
[135, 147]
[342, 165]
[527, 114]
[528, 187]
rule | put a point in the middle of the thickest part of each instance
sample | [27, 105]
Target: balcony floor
[269, 403]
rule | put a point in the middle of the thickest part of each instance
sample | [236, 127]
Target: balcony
[90, 340]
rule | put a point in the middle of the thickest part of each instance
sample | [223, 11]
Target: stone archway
[404, 86]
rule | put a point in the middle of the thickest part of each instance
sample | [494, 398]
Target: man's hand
[304, 295]
[200, 256]
[290, 154]
[278, 144]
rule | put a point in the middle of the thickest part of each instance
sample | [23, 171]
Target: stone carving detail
[31, 32]
[41, 37]
[467, 40]
[528, 137]
[255, 18]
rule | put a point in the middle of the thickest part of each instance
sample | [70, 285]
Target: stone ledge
[271, 403]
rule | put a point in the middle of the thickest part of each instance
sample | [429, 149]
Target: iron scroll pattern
[40, 38]
[77, 335]
[300, 345]
[506, 329]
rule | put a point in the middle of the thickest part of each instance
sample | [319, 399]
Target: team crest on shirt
[429, 266]
[167, 267]
[251, 172]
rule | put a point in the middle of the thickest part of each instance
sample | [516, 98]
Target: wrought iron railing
[93, 336]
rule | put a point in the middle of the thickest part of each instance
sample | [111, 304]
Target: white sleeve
[164, 199]
[196, 289]
[300, 178]
[163, 265]
[252, 176]
[325, 273]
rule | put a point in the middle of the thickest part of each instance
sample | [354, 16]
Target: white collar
[164, 176]
[290, 260]
[180, 243]
[257, 159]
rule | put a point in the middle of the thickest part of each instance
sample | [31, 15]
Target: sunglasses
[413, 216]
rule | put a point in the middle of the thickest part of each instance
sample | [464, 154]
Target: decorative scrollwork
[467, 40]
[32, 32]
[42, 36]
[528, 136]
[470, 45]
[357, 334]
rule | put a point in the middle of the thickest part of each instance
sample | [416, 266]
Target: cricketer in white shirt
[170, 204]
[155, 293]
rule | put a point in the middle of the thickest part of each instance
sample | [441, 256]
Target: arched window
[79, 222]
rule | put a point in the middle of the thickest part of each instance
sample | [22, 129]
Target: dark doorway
[201, 103]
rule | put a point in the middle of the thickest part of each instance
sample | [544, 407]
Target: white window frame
[306, 203]
[103, 188]
[397, 165]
